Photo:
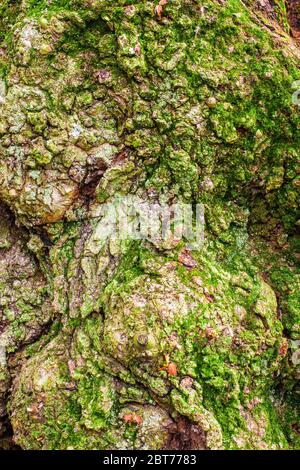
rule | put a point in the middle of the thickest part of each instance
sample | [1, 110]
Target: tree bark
[112, 343]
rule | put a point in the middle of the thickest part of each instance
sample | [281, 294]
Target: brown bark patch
[293, 8]
[184, 435]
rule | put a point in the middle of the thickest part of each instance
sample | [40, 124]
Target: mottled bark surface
[147, 344]
[293, 8]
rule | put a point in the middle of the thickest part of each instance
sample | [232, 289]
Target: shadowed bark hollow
[293, 8]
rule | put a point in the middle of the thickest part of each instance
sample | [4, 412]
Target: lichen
[108, 344]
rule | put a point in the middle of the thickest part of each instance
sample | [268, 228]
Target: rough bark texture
[136, 345]
[294, 17]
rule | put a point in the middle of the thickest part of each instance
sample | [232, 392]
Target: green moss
[108, 98]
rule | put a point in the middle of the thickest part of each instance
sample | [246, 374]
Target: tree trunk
[111, 342]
